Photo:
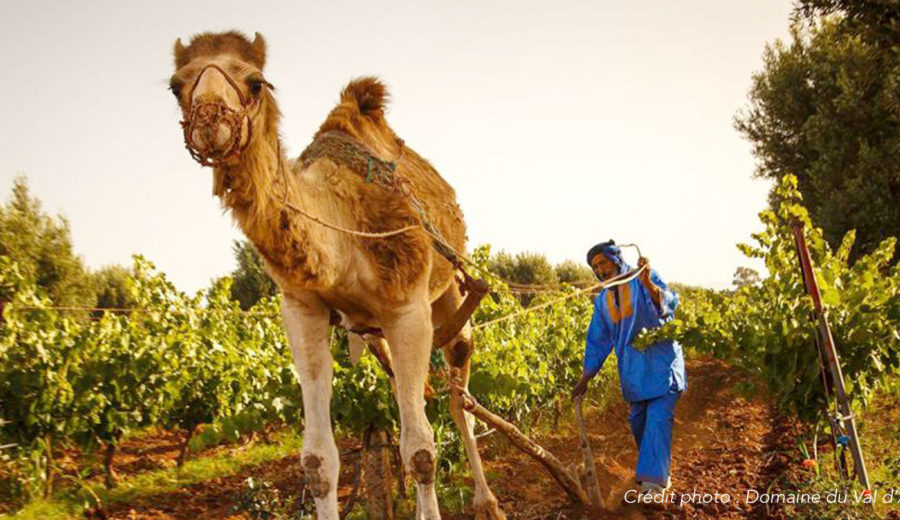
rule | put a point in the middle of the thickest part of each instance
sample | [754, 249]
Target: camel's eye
[175, 88]
[256, 86]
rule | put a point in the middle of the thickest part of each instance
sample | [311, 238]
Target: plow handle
[590, 468]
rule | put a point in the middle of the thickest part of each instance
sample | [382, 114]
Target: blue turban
[611, 251]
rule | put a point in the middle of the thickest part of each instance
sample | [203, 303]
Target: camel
[297, 213]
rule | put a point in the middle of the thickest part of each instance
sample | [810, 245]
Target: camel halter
[214, 113]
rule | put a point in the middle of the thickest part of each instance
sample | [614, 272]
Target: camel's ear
[259, 48]
[179, 51]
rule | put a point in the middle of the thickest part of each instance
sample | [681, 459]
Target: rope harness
[213, 113]
[346, 151]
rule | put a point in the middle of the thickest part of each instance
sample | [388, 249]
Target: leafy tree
[745, 276]
[251, 282]
[41, 247]
[503, 264]
[111, 286]
[573, 272]
[878, 21]
[524, 268]
[825, 108]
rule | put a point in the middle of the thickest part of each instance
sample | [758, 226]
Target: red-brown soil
[723, 443]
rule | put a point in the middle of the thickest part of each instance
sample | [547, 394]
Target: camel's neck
[253, 187]
[254, 191]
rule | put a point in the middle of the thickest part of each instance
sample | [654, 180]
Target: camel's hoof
[489, 510]
[313, 476]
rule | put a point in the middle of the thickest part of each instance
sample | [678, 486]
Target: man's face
[603, 267]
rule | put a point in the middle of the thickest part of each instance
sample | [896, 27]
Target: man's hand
[645, 274]
[582, 385]
[647, 282]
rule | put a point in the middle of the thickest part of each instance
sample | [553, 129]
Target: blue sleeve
[654, 316]
[597, 345]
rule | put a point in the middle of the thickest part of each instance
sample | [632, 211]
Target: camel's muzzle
[213, 133]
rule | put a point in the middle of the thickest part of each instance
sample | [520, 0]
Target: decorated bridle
[213, 113]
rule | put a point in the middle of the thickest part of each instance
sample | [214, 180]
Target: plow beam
[565, 478]
[475, 290]
[590, 467]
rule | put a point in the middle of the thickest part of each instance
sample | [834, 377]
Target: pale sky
[560, 124]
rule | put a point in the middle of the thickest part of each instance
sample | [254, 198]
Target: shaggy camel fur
[397, 284]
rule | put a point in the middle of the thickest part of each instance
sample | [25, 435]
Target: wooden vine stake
[565, 478]
[590, 468]
[378, 475]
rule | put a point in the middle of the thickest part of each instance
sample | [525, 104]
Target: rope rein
[399, 185]
[363, 234]
[615, 282]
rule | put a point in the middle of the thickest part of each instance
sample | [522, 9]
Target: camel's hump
[368, 93]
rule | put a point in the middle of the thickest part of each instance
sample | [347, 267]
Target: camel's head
[219, 85]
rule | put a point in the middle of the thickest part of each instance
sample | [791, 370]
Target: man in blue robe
[652, 380]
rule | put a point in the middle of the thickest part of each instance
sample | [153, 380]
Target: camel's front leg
[409, 334]
[308, 333]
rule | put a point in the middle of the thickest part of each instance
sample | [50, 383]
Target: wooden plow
[563, 476]
[590, 467]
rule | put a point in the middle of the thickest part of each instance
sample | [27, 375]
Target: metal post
[826, 341]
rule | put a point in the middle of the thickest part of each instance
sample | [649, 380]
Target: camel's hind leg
[459, 355]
